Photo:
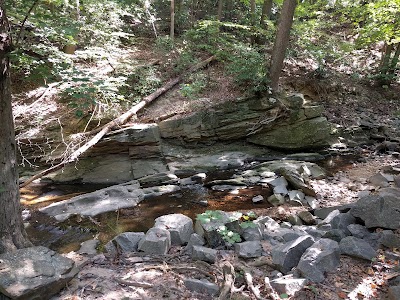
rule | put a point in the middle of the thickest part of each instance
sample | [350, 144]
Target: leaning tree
[12, 232]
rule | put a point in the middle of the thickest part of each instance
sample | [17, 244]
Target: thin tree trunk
[281, 42]
[253, 18]
[220, 9]
[386, 53]
[395, 61]
[21, 30]
[118, 121]
[12, 232]
[265, 13]
[172, 28]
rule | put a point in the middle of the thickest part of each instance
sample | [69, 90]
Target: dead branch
[229, 280]
[270, 290]
[119, 121]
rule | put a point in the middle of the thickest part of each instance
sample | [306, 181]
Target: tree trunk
[172, 29]
[220, 9]
[281, 42]
[12, 232]
[253, 18]
[265, 13]
[395, 60]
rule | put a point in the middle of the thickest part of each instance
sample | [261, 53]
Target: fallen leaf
[342, 295]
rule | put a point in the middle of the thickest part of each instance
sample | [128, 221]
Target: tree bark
[118, 122]
[12, 232]
[220, 9]
[281, 42]
[253, 18]
[265, 13]
[172, 26]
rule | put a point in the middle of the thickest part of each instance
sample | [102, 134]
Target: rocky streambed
[294, 224]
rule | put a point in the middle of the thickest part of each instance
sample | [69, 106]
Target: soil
[43, 120]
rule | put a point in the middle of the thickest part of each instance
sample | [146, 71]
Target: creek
[190, 200]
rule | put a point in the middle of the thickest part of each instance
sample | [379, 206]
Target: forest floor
[146, 277]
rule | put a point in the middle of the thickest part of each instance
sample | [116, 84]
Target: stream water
[190, 201]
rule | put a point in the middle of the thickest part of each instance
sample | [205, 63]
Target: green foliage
[198, 82]
[141, 82]
[229, 236]
[247, 65]
[208, 216]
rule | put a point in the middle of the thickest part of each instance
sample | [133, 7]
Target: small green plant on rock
[229, 236]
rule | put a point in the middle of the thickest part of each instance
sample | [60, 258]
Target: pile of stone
[300, 253]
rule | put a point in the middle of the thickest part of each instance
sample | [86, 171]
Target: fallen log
[122, 119]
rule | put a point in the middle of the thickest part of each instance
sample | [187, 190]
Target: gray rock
[204, 254]
[276, 199]
[287, 256]
[311, 201]
[89, 247]
[295, 220]
[268, 223]
[378, 211]
[248, 249]
[34, 273]
[323, 256]
[306, 217]
[156, 241]
[257, 199]
[355, 247]
[156, 191]
[296, 195]
[201, 286]
[390, 239]
[289, 286]
[159, 179]
[296, 180]
[145, 167]
[342, 221]
[91, 204]
[358, 231]
[394, 293]
[179, 226]
[379, 180]
[280, 189]
[252, 234]
[308, 134]
[335, 234]
[279, 181]
[194, 240]
[124, 242]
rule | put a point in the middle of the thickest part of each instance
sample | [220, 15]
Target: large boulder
[101, 201]
[34, 273]
[382, 210]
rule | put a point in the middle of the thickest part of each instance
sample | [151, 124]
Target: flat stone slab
[248, 249]
[34, 273]
[91, 204]
[356, 247]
